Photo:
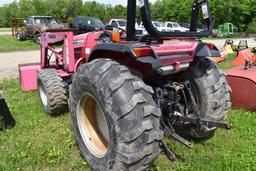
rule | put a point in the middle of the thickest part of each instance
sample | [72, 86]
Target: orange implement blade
[244, 55]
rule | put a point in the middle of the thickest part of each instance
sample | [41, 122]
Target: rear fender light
[142, 52]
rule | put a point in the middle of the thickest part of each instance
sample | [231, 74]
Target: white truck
[158, 25]
[118, 23]
[175, 27]
[122, 23]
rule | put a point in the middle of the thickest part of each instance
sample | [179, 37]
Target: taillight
[142, 52]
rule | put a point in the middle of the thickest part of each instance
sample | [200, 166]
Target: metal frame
[147, 21]
[17, 23]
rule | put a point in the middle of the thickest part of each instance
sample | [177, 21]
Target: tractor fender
[124, 54]
[207, 50]
[115, 51]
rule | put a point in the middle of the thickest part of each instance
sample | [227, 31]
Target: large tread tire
[23, 34]
[132, 116]
[212, 93]
[37, 38]
[20, 36]
[54, 98]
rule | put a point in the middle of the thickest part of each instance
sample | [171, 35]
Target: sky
[112, 2]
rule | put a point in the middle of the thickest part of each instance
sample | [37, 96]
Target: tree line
[241, 13]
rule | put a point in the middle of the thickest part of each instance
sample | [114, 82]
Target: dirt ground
[7, 33]
[9, 62]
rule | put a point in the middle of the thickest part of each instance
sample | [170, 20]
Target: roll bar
[147, 21]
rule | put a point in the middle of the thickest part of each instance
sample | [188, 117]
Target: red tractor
[124, 94]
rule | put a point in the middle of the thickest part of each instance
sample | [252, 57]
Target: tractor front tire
[52, 91]
[115, 120]
[212, 93]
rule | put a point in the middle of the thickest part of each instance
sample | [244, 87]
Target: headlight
[78, 42]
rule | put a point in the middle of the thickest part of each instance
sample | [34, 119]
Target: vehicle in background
[118, 23]
[34, 26]
[175, 27]
[87, 24]
[185, 25]
[122, 24]
[142, 28]
[227, 30]
[158, 25]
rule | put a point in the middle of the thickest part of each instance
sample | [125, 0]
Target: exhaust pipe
[6, 118]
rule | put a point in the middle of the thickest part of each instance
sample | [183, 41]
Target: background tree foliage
[240, 13]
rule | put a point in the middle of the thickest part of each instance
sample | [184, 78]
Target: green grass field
[227, 64]
[41, 142]
[10, 44]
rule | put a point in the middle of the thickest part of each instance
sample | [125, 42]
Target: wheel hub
[38, 40]
[92, 125]
[42, 95]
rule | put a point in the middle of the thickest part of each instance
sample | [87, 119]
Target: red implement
[244, 55]
[243, 85]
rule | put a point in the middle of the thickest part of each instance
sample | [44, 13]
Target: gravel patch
[10, 61]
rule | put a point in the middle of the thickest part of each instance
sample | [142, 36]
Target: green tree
[240, 13]
[26, 8]
[10, 12]
[40, 7]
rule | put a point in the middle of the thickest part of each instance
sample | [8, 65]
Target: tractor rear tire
[115, 120]
[52, 91]
[212, 93]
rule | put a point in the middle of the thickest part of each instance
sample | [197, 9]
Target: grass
[5, 29]
[41, 142]
[10, 44]
[227, 64]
